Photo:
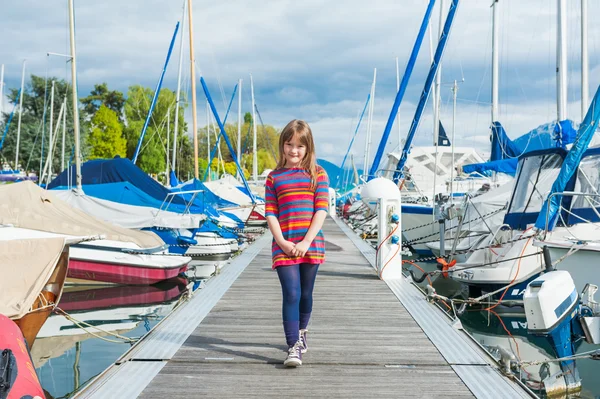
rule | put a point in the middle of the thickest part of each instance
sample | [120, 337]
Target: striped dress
[289, 198]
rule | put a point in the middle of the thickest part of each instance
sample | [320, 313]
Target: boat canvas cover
[489, 205]
[28, 206]
[26, 265]
[227, 189]
[118, 170]
[129, 216]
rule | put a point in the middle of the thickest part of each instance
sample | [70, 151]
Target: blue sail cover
[502, 146]
[208, 196]
[569, 167]
[118, 170]
[508, 166]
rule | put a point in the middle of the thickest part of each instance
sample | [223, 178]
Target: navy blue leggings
[297, 283]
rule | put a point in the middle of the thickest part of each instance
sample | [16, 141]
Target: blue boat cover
[208, 196]
[508, 166]
[122, 170]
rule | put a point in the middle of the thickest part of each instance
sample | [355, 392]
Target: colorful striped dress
[289, 198]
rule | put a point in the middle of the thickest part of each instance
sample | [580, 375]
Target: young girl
[296, 195]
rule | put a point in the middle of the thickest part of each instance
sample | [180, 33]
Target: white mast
[495, 62]
[168, 145]
[239, 137]
[16, 168]
[64, 130]
[193, 79]
[178, 95]
[369, 124]
[254, 154]
[398, 114]
[75, 98]
[208, 139]
[50, 141]
[438, 83]
[561, 60]
[454, 92]
[584, 59]
[433, 95]
[1, 88]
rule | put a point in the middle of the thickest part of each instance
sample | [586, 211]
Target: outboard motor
[552, 309]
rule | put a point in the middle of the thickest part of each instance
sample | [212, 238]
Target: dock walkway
[363, 340]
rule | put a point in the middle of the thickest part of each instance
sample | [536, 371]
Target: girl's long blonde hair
[300, 129]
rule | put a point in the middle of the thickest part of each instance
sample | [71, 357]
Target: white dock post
[383, 197]
[332, 211]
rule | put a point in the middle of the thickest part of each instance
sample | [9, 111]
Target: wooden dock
[362, 343]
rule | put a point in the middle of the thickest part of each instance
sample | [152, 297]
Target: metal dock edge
[461, 351]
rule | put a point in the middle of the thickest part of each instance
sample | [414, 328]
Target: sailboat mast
[438, 84]
[50, 137]
[16, 168]
[584, 59]
[75, 98]
[239, 132]
[178, 95]
[193, 79]
[64, 130]
[254, 156]
[208, 140]
[398, 113]
[495, 61]
[561, 60]
[168, 145]
[369, 124]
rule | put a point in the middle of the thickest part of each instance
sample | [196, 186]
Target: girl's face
[294, 152]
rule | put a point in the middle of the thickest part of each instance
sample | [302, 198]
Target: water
[507, 331]
[67, 357]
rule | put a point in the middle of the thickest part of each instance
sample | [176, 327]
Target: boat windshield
[536, 175]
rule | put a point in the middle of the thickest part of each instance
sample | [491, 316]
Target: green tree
[152, 157]
[100, 95]
[106, 137]
[35, 124]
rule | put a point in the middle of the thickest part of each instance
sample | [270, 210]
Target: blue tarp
[208, 196]
[508, 166]
[122, 170]
[128, 194]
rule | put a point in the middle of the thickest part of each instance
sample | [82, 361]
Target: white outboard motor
[552, 309]
[548, 299]
[383, 196]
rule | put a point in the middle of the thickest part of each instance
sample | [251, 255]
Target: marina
[153, 245]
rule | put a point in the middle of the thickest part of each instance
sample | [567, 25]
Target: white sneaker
[303, 340]
[294, 357]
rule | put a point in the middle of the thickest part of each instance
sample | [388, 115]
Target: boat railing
[588, 198]
[170, 196]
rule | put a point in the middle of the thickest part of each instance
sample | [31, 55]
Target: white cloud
[312, 59]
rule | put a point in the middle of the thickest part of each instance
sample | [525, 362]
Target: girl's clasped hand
[297, 250]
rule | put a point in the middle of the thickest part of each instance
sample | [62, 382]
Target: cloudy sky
[314, 59]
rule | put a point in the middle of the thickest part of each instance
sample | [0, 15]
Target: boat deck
[367, 338]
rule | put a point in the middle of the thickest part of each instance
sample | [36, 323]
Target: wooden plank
[362, 342]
